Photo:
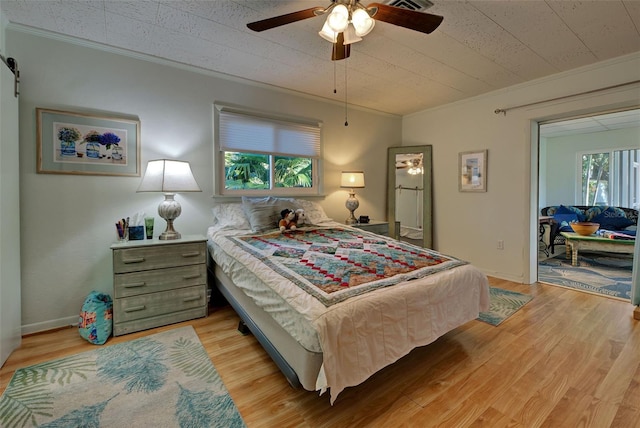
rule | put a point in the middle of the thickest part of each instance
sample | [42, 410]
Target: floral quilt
[333, 264]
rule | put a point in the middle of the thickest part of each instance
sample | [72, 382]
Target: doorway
[587, 161]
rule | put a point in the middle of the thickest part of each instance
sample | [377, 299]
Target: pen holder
[136, 233]
[123, 236]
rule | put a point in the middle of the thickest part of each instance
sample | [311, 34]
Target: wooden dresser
[158, 282]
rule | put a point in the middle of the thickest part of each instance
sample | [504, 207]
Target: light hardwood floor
[567, 359]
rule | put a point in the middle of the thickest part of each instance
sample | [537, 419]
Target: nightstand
[379, 227]
[157, 282]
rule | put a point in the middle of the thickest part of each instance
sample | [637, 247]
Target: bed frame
[299, 365]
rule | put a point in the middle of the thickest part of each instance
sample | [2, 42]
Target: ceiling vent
[417, 5]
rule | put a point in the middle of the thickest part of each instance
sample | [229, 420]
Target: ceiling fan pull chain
[335, 80]
[346, 122]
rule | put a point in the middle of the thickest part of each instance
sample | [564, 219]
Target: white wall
[562, 160]
[9, 209]
[68, 221]
[468, 225]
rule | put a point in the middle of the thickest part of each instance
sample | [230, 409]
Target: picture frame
[87, 144]
[472, 170]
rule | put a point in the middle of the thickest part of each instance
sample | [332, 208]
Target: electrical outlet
[500, 245]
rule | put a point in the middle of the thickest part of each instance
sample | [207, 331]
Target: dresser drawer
[157, 257]
[135, 283]
[151, 322]
[162, 303]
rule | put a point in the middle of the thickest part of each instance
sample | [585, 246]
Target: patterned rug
[162, 380]
[597, 272]
[503, 304]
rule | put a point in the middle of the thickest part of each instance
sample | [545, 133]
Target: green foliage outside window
[292, 172]
[253, 171]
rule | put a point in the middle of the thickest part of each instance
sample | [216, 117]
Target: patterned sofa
[610, 218]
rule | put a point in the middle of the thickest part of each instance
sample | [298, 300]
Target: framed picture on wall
[472, 167]
[87, 144]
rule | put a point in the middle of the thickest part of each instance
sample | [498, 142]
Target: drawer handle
[135, 285]
[191, 299]
[136, 260]
[136, 308]
[191, 254]
[197, 275]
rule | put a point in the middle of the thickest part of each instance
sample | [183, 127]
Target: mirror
[409, 205]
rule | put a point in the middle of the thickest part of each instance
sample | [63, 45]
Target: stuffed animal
[288, 220]
[301, 217]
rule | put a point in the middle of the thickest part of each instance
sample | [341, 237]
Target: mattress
[357, 332]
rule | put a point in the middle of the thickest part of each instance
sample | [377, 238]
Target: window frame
[219, 158]
[613, 183]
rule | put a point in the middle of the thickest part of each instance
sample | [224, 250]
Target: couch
[609, 218]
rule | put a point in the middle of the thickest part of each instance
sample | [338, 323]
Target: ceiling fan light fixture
[328, 34]
[350, 35]
[338, 19]
[362, 22]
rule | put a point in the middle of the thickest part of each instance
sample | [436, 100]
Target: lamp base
[169, 233]
[351, 220]
[164, 236]
[352, 204]
[169, 210]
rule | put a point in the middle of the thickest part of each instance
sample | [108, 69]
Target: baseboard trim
[56, 324]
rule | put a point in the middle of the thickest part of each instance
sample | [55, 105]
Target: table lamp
[170, 177]
[352, 180]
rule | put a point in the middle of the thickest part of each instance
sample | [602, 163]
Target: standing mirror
[409, 209]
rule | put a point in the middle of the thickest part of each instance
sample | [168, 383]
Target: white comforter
[365, 333]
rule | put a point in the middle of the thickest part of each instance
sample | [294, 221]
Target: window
[611, 178]
[260, 154]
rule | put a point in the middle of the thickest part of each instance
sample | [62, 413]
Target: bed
[330, 303]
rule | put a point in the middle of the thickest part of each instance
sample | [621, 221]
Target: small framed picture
[473, 171]
[87, 144]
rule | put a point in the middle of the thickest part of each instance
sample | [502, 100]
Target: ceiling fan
[348, 20]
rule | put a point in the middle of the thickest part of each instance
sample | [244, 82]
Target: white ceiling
[480, 46]
[587, 125]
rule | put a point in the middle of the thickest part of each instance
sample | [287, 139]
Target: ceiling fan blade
[418, 21]
[340, 50]
[288, 18]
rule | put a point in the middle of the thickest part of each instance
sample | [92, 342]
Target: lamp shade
[169, 176]
[338, 18]
[352, 179]
[350, 35]
[362, 22]
[328, 34]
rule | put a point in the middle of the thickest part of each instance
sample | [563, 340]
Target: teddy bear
[291, 219]
[288, 220]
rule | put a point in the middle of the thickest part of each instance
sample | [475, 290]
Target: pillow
[612, 219]
[563, 221]
[95, 323]
[230, 216]
[562, 209]
[263, 213]
[313, 211]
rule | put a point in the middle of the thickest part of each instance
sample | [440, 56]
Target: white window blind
[253, 134]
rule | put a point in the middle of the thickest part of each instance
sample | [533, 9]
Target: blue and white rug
[503, 304]
[162, 380]
[608, 274]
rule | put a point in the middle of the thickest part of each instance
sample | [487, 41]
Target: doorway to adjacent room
[588, 161]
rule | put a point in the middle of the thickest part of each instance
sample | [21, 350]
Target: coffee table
[575, 242]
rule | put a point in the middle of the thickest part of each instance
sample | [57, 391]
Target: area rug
[608, 274]
[162, 380]
[503, 304]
